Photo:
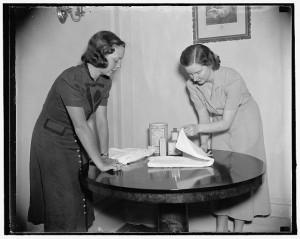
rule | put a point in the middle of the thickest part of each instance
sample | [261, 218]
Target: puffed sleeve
[195, 95]
[234, 92]
[70, 92]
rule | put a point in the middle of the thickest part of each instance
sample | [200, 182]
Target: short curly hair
[199, 54]
[101, 44]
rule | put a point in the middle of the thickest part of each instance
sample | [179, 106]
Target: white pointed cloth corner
[193, 156]
[129, 155]
[187, 146]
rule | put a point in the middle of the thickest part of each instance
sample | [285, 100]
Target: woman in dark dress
[71, 131]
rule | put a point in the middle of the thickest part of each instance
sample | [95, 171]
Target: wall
[152, 87]
[149, 86]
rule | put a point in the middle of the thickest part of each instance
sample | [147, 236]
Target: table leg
[173, 218]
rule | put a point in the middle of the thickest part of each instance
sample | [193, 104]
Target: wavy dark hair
[101, 44]
[199, 54]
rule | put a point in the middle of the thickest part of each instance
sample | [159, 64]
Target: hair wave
[101, 44]
[200, 54]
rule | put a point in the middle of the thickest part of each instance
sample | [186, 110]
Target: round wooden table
[231, 175]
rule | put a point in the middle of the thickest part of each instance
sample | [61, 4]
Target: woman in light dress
[228, 113]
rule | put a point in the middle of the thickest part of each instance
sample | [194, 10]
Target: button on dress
[245, 135]
[56, 156]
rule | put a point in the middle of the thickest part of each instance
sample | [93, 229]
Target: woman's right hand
[206, 150]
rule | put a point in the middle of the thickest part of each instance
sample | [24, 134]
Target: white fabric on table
[187, 146]
[129, 155]
[178, 161]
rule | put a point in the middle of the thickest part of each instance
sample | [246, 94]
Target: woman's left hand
[191, 129]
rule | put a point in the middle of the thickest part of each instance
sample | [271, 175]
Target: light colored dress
[245, 135]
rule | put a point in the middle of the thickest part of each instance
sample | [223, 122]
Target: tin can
[157, 131]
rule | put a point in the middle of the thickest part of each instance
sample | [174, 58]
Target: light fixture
[75, 12]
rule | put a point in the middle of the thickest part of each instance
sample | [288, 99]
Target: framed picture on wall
[221, 23]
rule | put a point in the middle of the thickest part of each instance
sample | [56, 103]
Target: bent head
[105, 51]
[114, 60]
[199, 61]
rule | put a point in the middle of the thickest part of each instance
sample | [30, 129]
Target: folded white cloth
[129, 155]
[188, 147]
[178, 161]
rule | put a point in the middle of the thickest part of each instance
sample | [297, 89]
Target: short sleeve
[70, 93]
[195, 96]
[234, 93]
[104, 100]
[105, 97]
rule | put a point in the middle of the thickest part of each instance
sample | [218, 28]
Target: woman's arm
[214, 127]
[88, 138]
[92, 124]
[233, 92]
[102, 128]
[218, 126]
[203, 119]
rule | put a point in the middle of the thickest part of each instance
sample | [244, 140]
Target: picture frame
[214, 23]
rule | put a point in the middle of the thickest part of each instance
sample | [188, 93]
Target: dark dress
[56, 156]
